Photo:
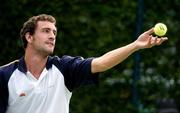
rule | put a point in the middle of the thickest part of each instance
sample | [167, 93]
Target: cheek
[39, 39]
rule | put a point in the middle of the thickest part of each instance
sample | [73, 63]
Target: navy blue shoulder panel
[5, 73]
[76, 71]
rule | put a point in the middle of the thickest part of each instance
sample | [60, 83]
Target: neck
[35, 63]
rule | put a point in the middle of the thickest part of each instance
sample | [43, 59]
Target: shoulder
[66, 62]
[65, 59]
[9, 66]
[7, 70]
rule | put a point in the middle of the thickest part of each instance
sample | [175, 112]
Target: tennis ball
[160, 29]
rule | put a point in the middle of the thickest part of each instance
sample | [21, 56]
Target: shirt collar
[22, 65]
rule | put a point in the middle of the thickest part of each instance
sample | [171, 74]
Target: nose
[52, 36]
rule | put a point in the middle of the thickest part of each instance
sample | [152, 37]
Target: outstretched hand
[146, 40]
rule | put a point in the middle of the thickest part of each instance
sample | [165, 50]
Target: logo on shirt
[22, 94]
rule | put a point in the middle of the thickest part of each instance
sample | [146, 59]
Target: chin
[50, 52]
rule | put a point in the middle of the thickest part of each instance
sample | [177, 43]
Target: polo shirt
[20, 92]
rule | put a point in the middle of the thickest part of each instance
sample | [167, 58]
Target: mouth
[50, 43]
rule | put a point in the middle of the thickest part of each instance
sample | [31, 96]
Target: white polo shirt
[20, 92]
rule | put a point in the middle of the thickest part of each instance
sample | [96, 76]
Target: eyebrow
[54, 30]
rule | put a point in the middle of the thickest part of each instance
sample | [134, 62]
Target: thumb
[150, 31]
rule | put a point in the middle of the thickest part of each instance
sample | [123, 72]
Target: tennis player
[41, 83]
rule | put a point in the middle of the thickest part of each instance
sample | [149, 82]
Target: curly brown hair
[31, 24]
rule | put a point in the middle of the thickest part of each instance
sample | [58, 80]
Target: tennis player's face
[44, 37]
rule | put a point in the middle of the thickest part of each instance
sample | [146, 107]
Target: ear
[29, 37]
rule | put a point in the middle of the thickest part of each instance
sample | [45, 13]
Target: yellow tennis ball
[160, 29]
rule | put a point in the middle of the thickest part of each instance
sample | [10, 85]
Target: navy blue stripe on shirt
[76, 71]
[5, 73]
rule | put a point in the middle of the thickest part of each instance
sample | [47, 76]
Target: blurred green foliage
[93, 27]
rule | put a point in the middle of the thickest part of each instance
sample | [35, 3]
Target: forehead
[46, 24]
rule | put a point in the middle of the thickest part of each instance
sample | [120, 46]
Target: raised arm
[114, 57]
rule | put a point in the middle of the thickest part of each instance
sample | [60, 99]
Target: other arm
[114, 57]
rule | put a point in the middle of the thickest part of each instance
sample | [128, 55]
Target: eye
[55, 32]
[46, 30]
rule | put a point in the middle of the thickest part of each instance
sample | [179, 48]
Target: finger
[160, 40]
[154, 40]
[150, 31]
[164, 38]
[149, 42]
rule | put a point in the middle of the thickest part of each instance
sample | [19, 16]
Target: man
[39, 83]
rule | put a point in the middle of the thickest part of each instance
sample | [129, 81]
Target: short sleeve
[4, 94]
[3, 98]
[77, 71]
